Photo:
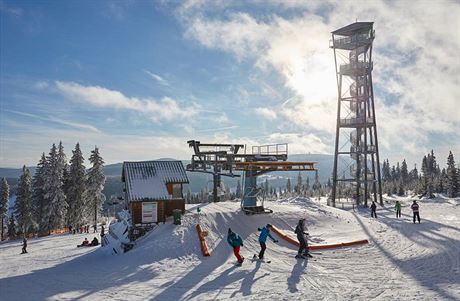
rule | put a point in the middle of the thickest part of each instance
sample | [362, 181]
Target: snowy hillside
[403, 261]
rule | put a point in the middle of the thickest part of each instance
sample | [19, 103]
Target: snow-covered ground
[403, 261]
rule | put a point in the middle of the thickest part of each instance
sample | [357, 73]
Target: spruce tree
[404, 173]
[299, 183]
[38, 194]
[11, 227]
[54, 215]
[23, 208]
[452, 177]
[76, 183]
[95, 184]
[400, 188]
[427, 184]
[4, 196]
[413, 178]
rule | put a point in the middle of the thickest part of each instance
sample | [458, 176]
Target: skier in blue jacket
[264, 233]
[235, 241]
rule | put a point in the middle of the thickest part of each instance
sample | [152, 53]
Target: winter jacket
[264, 233]
[398, 206]
[414, 207]
[299, 230]
[234, 240]
[373, 207]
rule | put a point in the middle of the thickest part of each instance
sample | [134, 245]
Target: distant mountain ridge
[199, 180]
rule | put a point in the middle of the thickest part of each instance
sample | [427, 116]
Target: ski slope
[403, 261]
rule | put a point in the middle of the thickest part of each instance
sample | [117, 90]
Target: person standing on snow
[235, 241]
[24, 245]
[303, 246]
[264, 233]
[374, 210]
[398, 209]
[415, 210]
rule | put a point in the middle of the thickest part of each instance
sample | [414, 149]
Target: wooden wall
[165, 209]
[174, 204]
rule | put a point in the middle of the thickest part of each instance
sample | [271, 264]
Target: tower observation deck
[356, 157]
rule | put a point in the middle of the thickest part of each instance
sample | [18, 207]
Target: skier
[415, 211]
[235, 241]
[303, 246]
[264, 233]
[24, 245]
[102, 231]
[374, 210]
[398, 209]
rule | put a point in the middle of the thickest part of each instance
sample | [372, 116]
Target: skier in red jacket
[235, 241]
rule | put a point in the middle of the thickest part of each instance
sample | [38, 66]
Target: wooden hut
[153, 189]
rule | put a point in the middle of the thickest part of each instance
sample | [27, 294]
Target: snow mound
[404, 261]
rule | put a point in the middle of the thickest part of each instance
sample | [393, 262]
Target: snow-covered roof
[148, 179]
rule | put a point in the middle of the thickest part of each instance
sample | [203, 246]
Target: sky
[141, 78]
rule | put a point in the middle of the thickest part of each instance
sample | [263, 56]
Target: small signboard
[149, 212]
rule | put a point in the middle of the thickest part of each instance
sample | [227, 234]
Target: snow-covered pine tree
[38, 194]
[452, 177]
[299, 183]
[4, 196]
[23, 208]
[413, 178]
[398, 172]
[404, 173]
[76, 183]
[386, 174]
[400, 188]
[95, 185]
[11, 227]
[442, 181]
[66, 180]
[55, 207]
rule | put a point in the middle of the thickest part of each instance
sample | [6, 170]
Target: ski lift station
[226, 159]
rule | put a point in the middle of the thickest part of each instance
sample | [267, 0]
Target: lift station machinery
[226, 159]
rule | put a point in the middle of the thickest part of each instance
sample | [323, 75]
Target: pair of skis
[253, 259]
[256, 258]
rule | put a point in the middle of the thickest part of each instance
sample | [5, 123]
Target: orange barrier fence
[201, 235]
[318, 247]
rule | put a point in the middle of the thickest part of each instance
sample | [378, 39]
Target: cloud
[218, 129]
[266, 113]
[157, 78]
[300, 143]
[41, 85]
[165, 109]
[416, 65]
[72, 124]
